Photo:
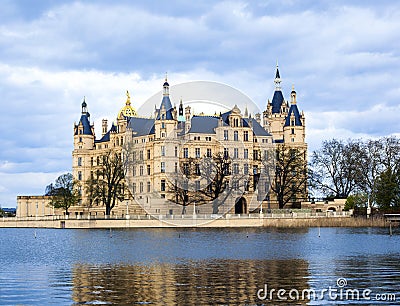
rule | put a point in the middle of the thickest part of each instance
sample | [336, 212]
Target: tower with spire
[281, 119]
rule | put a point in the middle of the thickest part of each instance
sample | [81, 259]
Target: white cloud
[343, 59]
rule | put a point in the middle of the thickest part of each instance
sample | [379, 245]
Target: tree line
[359, 170]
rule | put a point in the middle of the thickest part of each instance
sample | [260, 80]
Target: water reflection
[233, 282]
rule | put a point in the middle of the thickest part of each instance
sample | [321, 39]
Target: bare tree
[182, 185]
[222, 178]
[289, 178]
[336, 167]
[108, 185]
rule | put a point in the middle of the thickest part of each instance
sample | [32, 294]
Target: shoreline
[286, 222]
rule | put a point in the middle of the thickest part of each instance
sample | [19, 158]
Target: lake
[260, 266]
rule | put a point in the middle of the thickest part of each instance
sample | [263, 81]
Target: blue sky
[341, 56]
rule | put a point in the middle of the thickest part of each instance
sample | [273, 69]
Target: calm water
[198, 266]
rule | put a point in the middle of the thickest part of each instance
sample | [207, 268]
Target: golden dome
[127, 110]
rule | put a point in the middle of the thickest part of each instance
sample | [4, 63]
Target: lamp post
[127, 208]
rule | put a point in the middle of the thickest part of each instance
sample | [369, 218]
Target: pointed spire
[180, 108]
[277, 78]
[84, 105]
[277, 75]
[293, 96]
[246, 112]
[128, 98]
[166, 86]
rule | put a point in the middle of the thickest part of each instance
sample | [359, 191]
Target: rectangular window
[176, 167]
[235, 168]
[162, 185]
[148, 187]
[226, 135]
[162, 150]
[226, 169]
[185, 153]
[134, 188]
[235, 153]
[141, 170]
[91, 161]
[162, 167]
[197, 169]
[80, 175]
[141, 187]
[79, 161]
[226, 152]
[140, 155]
[245, 136]
[255, 154]
[246, 168]
[134, 171]
[148, 154]
[176, 151]
[209, 153]
[246, 153]
[186, 169]
[255, 169]
[148, 170]
[292, 131]
[235, 136]
[235, 185]
[197, 151]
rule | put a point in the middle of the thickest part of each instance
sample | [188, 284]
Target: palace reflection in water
[188, 283]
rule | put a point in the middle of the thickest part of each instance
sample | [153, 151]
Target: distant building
[163, 142]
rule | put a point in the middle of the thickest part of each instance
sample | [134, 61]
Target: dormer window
[292, 122]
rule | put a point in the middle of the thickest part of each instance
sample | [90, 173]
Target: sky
[341, 56]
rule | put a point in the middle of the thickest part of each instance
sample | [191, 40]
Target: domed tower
[276, 111]
[294, 128]
[84, 131]
[84, 138]
[125, 114]
[166, 117]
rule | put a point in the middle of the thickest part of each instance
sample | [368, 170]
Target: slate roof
[258, 130]
[204, 124]
[87, 130]
[141, 126]
[295, 111]
[207, 124]
[166, 102]
[106, 136]
[277, 101]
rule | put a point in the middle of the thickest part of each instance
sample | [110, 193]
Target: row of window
[256, 155]
[207, 138]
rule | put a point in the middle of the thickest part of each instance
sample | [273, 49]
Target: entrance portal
[240, 206]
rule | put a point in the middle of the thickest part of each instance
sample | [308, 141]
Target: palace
[162, 143]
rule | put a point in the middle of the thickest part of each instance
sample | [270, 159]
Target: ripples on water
[192, 266]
